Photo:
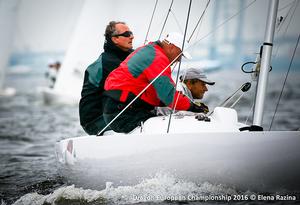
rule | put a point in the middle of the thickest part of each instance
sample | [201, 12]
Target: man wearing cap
[194, 83]
[134, 74]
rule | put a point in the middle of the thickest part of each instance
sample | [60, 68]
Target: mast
[265, 63]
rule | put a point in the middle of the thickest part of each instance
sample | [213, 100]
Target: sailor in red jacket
[134, 74]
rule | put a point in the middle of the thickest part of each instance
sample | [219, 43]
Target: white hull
[7, 92]
[256, 161]
[53, 97]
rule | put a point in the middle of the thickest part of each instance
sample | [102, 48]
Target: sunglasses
[125, 34]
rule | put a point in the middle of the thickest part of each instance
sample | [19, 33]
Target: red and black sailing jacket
[138, 70]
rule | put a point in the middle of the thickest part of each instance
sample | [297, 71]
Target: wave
[161, 188]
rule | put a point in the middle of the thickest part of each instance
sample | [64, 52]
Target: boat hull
[7, 92]
[53, 97]
[256, 161]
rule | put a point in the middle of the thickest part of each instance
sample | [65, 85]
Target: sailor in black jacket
[117, 46]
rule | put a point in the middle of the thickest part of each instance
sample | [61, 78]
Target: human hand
[199, 108]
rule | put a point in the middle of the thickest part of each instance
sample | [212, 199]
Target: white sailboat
[8, 10]
[213, 150]
[84, 48]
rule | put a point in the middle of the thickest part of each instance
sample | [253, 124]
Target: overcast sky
[44, 25]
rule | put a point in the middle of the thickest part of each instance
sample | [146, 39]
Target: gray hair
[111, 29]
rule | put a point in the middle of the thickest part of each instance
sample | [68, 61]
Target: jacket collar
[110, 47]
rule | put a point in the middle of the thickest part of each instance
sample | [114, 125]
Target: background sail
[87, 40]
[84, 47]
[8, 10]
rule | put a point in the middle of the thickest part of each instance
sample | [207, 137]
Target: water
[29, 130]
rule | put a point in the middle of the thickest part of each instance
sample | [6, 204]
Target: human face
[124, 43]
[174, 52]
[197, 88]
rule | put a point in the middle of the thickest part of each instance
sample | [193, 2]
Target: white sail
[8, 10]
[84, 48]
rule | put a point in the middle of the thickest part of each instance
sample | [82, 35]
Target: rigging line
[177, 22]
[252, 106]
[134, 99]
[151, 84]
[199, 29]
[223, 23]
[150, 22]
[199, 20]
[237, 100]
[250, 111]
[162, 29]
[177, 77]
[290, 20]
[284, 19]
[286, 76]
[226, 101]
[286, 6]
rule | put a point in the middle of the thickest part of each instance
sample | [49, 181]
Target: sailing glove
[199, 108]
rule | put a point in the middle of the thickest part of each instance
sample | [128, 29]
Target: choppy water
[29, 130]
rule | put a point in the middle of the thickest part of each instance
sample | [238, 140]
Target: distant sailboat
[85, 46]
[8, 10]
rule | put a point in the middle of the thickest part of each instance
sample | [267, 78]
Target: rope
[199, 20]
[177, 77]
[218, 27]
[177, 22]
[99, 133]
[282, 20]
[286, 76]
[276, 52]
[230, 18]
[237, 100]
[295, 2]
[150, 22]
[199, 29]
[166, 19]
[282, 8]
[250, 111]
[224, 22]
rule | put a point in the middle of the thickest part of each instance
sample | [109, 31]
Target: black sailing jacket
[90, 106]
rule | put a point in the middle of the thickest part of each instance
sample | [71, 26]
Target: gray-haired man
[117, 46]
